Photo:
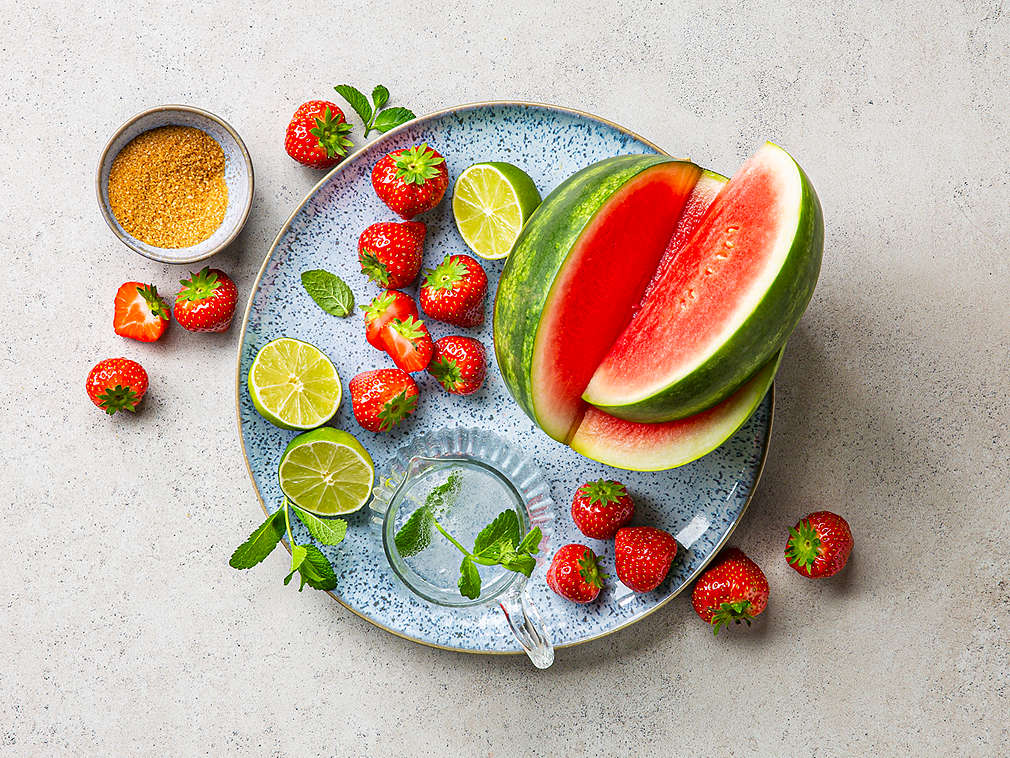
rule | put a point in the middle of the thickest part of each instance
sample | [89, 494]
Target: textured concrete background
[124, 632]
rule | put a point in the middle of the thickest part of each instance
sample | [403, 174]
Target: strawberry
[116, 384]
[381, 399]
[642, 556]
[411, 181]
[408, 344]
[454, 291]
[390, 253]
[819, 545]
[385, 307]
[600, 508]
[315, 137]
[139, 313]
[733, 589]
[574, 574]
[459, 364]
[206, 302]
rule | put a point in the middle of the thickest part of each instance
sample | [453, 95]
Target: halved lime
[491, 202]
[293, 385]
[326, 472]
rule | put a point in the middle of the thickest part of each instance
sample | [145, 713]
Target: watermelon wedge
[574, 276]
[724, 300]
[657, 447]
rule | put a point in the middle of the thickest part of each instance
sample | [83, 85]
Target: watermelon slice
[724, 300]
[656, 447]
[578, 269]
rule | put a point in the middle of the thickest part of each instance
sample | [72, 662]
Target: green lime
[293, 385]
[326, 472]
[491, 202]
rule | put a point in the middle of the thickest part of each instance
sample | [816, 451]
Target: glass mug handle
[525, 622]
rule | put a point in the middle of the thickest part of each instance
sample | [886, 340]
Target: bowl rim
[107, 211]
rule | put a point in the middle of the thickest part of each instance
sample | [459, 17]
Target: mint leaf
[260, 543]
[491, 554]
[521, 562]
[531, 542]
[298, 553]
[329, 291]
[442, 498]
[504, 527]
[357, 100]
[469, 579]
[392, 117]
[415, 535]
[380, 96]
[316, 570]
[327, 531]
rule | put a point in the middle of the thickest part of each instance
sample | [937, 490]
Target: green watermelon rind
[756, 387]
[538, 256]
[763, 332]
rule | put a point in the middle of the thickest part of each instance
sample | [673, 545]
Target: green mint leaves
[372, 115]
[500, 543]
[307, 560]
[329, 291]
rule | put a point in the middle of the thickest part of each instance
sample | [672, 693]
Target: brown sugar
[167, 188]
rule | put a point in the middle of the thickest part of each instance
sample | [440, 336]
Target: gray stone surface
[124, 632]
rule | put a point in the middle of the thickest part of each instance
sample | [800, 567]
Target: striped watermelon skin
[526, 291]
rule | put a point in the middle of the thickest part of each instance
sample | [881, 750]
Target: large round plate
[700, 503]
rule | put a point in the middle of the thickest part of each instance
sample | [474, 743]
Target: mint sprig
[373, 116]
[500, 543]
[330, 292]
[307, 560]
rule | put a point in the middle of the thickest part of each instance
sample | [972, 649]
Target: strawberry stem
[416, 165]
[804, 546]
[589, 570]
[446, 275]
[736, 612]
[118, 398]
[330, 133]
[199, 286]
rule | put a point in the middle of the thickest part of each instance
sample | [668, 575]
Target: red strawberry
[819, 545]
[642, 556]
[454, 291]
[139, 313]
[574, 574]
[390, 253]
[459, 364]
[600, 508]
[316, 135]
[117, 384]
[411, 181]
[733, 589]
[206, 302]
[408, 344]
[385, 307]
[381, 399]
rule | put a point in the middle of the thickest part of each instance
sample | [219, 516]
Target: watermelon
[576, 273]
[724, 301]
[656, 447]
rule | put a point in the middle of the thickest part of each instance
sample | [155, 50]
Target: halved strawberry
[408, 343]
[385, 307]
[139, 312]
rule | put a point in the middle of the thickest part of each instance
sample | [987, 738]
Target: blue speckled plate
[700, 503]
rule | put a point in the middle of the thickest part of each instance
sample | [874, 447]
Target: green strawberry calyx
[410, 328]
[603, 491]
[118, 398]
[373, 268]
[377, 307]
[446, 275]
[736, 612]
[416, 165]
[589, 570]
[396, 409]
[154, 301]
[330, 133]
[199, 286]
[804, 546]
[446, 371]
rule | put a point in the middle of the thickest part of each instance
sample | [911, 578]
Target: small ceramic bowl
[238, 175]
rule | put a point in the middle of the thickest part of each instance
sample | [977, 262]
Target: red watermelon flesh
[603, 279]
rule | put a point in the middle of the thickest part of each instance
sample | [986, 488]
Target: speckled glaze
[699, 503]
[238, 176]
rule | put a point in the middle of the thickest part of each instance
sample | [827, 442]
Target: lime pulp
[326, 472]
[294, 385]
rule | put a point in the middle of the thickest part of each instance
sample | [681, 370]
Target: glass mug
[491, 478]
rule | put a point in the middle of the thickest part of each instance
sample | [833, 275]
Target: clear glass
[492, 477]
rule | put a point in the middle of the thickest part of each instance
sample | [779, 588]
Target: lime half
[327, 472]
[293, 385]
[491, 202]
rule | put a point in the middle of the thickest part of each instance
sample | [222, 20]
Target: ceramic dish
[700, 503]
[238, 175]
